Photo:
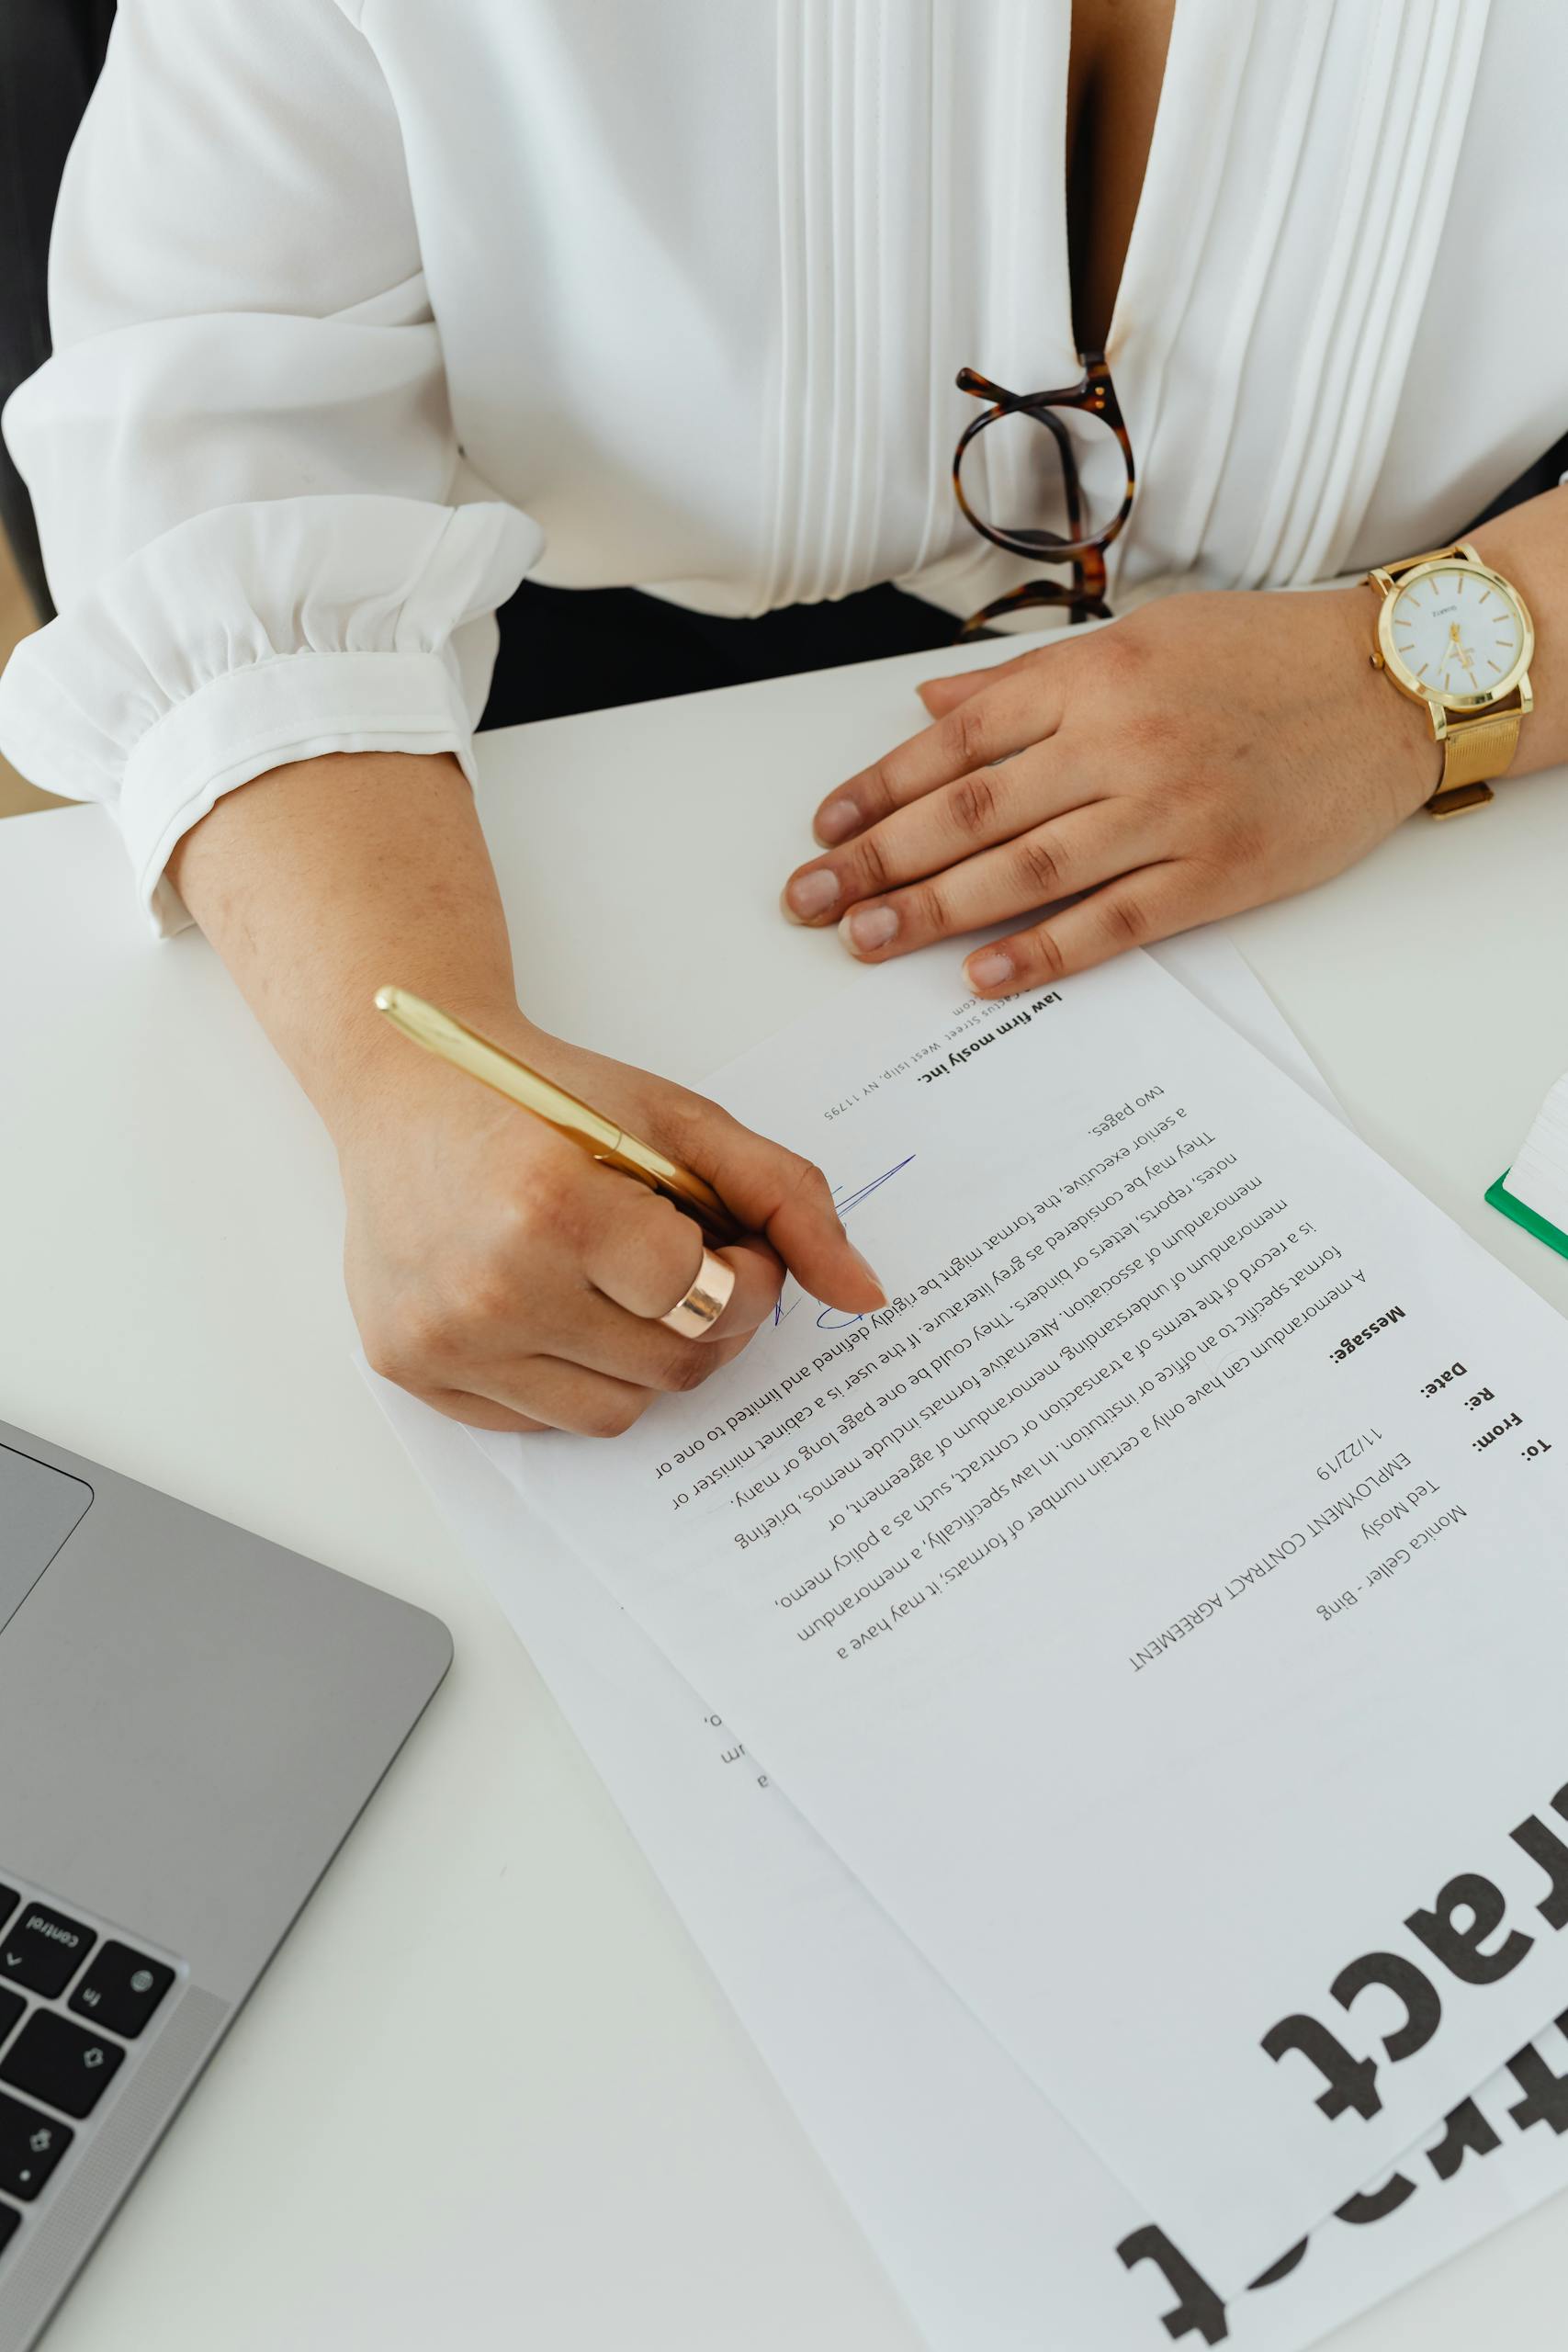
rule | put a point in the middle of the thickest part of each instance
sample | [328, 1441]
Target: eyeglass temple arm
[969, 379]
[1069, 468]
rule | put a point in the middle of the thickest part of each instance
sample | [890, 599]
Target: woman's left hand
[1205, 754]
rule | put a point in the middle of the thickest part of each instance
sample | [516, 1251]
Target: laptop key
[30, 2147]
[57, 2062]
[10, 2222]
[9, 1899]
[121, 1989]
[43, 1949]
[11, 2008]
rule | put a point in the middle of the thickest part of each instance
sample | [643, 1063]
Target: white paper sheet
[1065, 1766]
[1220, 979]
[1539, 1176]
[987, 2212]
[999, 2229]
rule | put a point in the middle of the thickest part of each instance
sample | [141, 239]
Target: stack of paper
[1534, 1191]
[1099, 1716]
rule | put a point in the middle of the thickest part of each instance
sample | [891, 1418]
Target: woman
[364, 310]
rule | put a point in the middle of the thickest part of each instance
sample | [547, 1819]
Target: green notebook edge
[1499, 1197]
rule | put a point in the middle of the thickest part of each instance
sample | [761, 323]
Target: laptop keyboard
[75, 2005]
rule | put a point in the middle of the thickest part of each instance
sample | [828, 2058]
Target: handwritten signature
[830, 1318]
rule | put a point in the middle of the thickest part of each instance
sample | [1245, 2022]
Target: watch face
[1459, 633]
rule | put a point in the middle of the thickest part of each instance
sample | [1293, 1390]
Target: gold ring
[694, 1315]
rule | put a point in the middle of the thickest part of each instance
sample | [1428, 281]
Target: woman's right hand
[494, 1269]
[504, 1276]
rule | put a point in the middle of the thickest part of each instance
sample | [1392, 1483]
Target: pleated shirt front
[366, 308]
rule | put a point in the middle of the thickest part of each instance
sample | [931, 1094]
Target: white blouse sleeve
[245, 470]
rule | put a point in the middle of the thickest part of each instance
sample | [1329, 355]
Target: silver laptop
[190, 1720]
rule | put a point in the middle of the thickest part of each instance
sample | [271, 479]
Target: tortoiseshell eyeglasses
[1035, 467]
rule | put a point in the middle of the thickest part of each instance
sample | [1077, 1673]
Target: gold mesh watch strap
[1475, 751]
[1476, 748]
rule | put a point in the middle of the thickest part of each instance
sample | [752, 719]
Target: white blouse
[366, 308]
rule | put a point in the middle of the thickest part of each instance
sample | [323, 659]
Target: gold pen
[438, 1033]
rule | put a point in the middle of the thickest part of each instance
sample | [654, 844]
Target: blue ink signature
[830, 1318]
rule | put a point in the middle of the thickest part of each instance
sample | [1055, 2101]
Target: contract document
[1157, 1606]
[999, 2229]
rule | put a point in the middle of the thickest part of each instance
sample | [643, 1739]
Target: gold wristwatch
[1455, 635]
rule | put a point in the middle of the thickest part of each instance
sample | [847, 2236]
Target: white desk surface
[488, 2094]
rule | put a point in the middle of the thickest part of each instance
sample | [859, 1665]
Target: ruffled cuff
[254, 635]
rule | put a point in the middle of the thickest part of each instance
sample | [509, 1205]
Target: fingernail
[989, 969]
[812, 894]
[868, 928]
[871, 1274]
[836, 822]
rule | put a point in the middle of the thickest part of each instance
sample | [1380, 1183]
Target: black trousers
[565, 650]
